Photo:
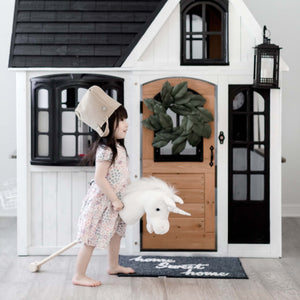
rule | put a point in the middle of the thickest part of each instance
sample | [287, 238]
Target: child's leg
[83, 259]
[113, 257]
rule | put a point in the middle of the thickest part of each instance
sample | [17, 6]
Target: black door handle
[211, 156]
[221, 137]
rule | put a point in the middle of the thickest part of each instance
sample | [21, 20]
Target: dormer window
[204, 39]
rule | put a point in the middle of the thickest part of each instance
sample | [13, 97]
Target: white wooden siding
[56, 199]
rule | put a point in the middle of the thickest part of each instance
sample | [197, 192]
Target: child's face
[121, 130]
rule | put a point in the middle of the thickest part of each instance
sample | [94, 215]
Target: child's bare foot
[85, 281]
[120, 269]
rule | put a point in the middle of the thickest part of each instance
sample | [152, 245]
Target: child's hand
[117, 205]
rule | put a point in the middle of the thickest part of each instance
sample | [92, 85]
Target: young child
[99, 222]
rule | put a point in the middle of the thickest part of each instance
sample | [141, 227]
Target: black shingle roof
[78, 33]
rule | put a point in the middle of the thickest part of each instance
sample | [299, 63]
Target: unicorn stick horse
[154, 197]
[147, 195]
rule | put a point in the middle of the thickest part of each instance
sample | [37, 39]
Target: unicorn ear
[149, 228]
[177, 199]
[177, 210]
[170, 203]
[172, 207]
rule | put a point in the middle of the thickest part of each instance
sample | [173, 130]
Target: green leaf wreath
[194, 124]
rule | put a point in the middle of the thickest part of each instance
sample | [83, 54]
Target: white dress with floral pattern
[98, 221]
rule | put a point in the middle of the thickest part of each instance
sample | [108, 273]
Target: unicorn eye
[158, 209]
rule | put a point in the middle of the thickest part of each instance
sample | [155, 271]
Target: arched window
[58, 137]
[204, 38]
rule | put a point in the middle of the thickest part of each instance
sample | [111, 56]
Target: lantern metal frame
[266, 64]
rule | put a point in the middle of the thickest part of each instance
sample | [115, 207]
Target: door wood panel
[193, 181]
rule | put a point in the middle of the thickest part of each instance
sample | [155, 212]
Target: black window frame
[55, 84]
[222, 6]
[249, 220]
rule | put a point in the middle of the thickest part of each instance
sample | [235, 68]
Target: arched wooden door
[194, 181]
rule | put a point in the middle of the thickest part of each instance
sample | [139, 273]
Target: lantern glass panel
[267, 67]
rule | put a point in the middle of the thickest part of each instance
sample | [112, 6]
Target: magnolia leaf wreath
[194, 124]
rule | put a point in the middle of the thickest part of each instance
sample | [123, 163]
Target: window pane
[214, 46]
[197, 49]
[258, 128]
[239, 187]
[257, 158]
[84, 141]
[258, 102]
[187, 23]
[239, 156]
[196, 23]
[43, 121]
[257, 190]
[193, 19]
[166, 150]
[213, 18]
[240, 127]
[68, 145]
[68, 98]
[82, 127]
[43, 145]
[238, 102]
[64, 99]
[81, 92]
[188, 49]
[68, 121]
[112, 93]
[43, 98]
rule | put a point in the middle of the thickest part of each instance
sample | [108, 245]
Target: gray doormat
[181, 266]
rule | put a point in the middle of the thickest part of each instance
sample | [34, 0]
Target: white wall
[8, 103]
[282, 18]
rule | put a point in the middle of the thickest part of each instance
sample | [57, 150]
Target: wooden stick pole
[35, 266]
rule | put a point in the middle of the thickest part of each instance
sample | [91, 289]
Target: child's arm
[100, 179]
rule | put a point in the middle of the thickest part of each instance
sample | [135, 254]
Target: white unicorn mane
[150, 184]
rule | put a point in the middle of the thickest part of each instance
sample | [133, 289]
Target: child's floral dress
[98, 221]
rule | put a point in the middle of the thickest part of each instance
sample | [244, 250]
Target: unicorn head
[153, 197]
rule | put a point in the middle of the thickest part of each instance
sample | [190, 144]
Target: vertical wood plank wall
[56, 199]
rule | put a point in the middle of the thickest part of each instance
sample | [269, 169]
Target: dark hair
[109, 141]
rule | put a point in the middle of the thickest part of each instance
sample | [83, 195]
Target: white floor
[268, 278]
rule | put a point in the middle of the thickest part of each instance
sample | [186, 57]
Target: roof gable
[78, 33]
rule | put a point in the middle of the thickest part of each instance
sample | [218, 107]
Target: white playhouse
[225, 164]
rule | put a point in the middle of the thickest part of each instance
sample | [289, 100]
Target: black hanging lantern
[266, 64]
